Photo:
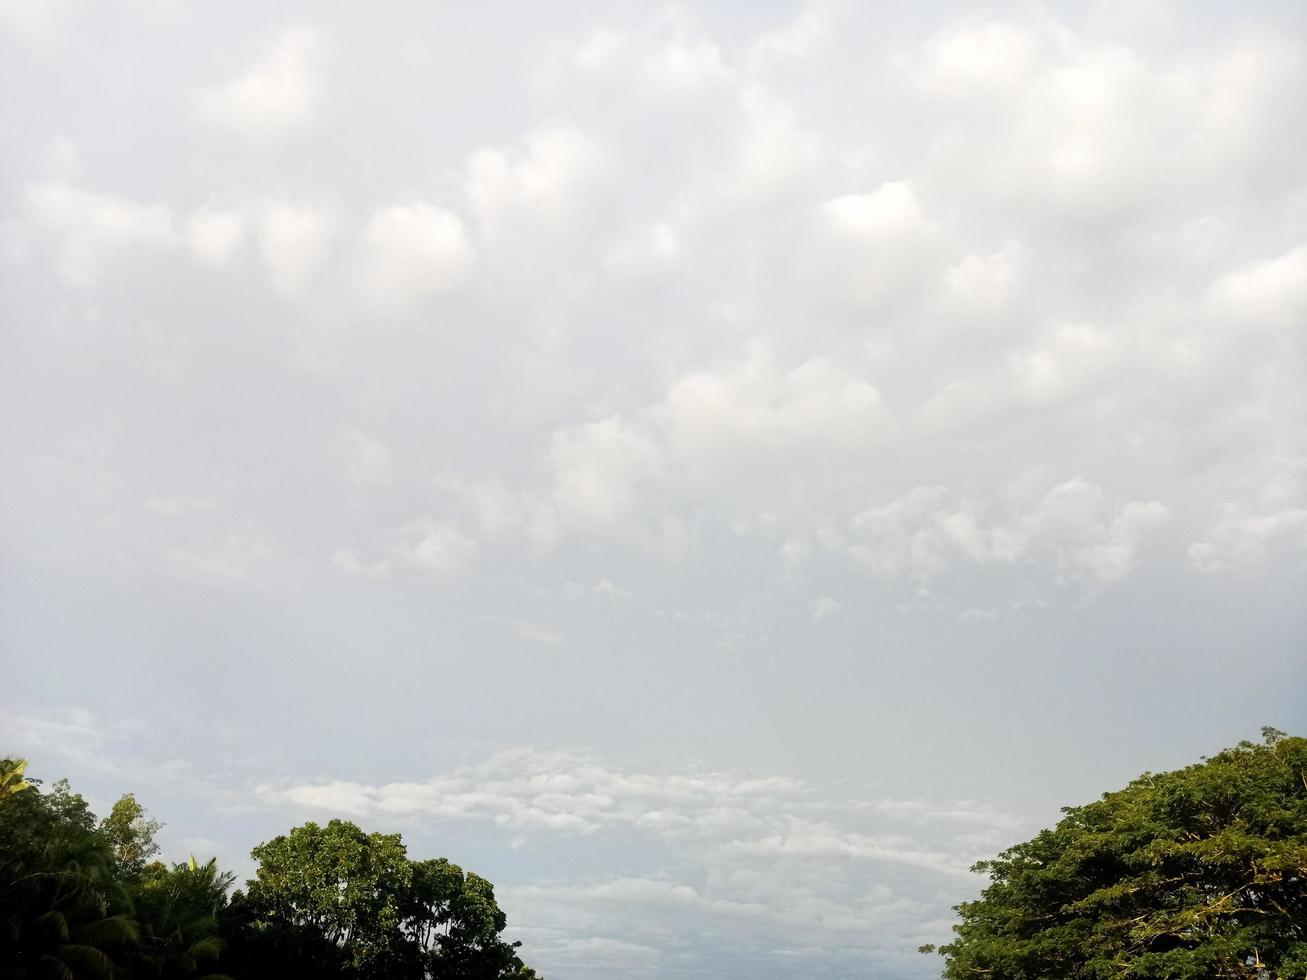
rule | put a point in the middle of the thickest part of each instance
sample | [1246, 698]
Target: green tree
[456, 923]
[177, 909]
[333, 887]
[63, 913]
[1191, 874]
[130, 832]
[336, 902]
[11, 777]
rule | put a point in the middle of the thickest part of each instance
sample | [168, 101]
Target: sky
[717, 470]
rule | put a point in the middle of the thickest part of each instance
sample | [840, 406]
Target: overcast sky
[717, 470]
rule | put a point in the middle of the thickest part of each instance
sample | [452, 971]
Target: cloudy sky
[717, 470]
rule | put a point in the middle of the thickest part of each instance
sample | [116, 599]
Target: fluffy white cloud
[532, 190]
[279, 93]
[215, 234]
[367, 462]
[242, 553]
[868, 249]
[93, 228]
[37, 23]
[824, 607]
[791, 377]
[1075, 525]
[409, 252]
[294, 241]
[1242, 541]
[430, 548]
[1265, 295]
[741, 851]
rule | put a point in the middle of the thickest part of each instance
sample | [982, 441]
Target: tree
[63, 913]
[11, 777]
[177, 908]
[130, 832]
[337, 902]
[456, 923]
[336, 883]
[1196, 873]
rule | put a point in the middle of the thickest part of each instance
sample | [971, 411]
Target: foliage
[78, 900]
[354, 906]
[11, 777]
[330, 894]
[130, 832]
[1196, 873]
[62, 912]
[178, 909]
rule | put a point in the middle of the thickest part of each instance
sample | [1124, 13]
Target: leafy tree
[178, 908]
[63, 914]
[337, 882]
[11, 777]
[336, 902]
[130, 832]
[456, 923]
[1191, 874]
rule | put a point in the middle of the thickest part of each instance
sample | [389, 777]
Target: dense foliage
[80, 899]
[352, 905]
[1191, 874]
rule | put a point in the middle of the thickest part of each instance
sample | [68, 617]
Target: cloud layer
[899, 396]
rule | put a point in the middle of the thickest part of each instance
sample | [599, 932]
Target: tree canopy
[79, 900]
[355, 906]
[1196, 873]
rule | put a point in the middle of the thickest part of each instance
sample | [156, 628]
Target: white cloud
[367, 463]
[963, 61]
[532, 190]
[431, 548]
[795, 39]
[39, 24]
[94, 228]
[774, 148]
[294, 241]
[740, 852]
[436, 548]
[279, 93]
[646, 252]
[233, 556]
[180, 506]
[409, 252]
[987, 283]
[1241, 541]
[599, 470]
[889, 213]
[600, 49]
[1265, 295]
[869, 249]
[824, 607]
[540, 634]
[685, 65]
[1075, 525]
[215, 234]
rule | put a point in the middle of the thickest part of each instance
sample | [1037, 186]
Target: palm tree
[11, 777]
[178, 909]
[63, 916]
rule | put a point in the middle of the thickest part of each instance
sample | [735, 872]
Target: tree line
[85, 898]
[1186, 875]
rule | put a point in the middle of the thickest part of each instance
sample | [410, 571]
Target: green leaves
[79, 900]
[355, 906]
[130, 832]
[11, 777]
[1196, 873]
